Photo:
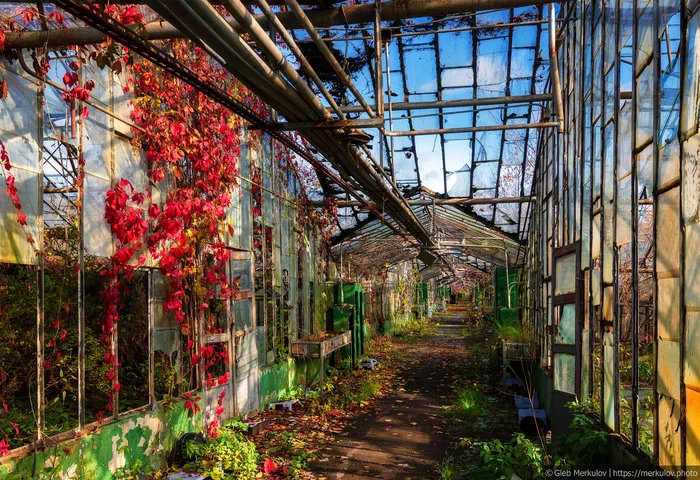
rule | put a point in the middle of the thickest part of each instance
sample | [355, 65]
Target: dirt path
[405, 437]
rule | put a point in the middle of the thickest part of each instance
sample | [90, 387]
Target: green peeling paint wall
[285, 379]
[142, 438]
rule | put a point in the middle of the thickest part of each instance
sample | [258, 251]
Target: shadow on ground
[408, 434]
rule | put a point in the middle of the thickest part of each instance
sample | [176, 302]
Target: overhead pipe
[339, 71]
[250, 25]
[215, 23]
[178, 10]
[329, 144]
[346, 15]
[257, 82]
[280, 102]
[554, 69]
[211, 15]
[303, 62]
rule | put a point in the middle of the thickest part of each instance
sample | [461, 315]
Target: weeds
[521, 457]
[586, 446]
[414, 329]
[510, 332]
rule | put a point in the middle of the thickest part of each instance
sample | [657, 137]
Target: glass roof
[490, 54]
[466, 58]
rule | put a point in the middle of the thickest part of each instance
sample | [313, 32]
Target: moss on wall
[141, 438]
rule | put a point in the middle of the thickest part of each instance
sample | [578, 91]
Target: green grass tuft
[468, 403]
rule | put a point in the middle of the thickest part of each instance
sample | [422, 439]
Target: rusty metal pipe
[446, 201]
[347, 15]
[179, 10]
[224, 40]
[347, 81]
[305, 65]
[250, 25]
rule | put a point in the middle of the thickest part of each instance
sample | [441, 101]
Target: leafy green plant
[587, 444]
[521, 457]
[230, 452]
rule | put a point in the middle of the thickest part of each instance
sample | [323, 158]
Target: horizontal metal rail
[467, 102]
[483, 128]
[443, 201]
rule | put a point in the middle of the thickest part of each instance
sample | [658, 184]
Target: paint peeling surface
[138, 439]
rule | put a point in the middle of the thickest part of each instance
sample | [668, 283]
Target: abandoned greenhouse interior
[311, 239]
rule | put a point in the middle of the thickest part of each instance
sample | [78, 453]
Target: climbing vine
[178, 223]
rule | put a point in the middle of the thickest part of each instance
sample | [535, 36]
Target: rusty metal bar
[265, 43]
[439, 31]
[239, 58]
[60, 190]
[346, 15]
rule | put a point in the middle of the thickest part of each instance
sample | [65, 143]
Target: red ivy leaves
[191, 404]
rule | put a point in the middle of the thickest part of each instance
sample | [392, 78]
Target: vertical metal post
[231, 344]
[635, 216]
[379, 80]
[554, 67]
[151, 339]
[684, 14]
[391, 115]
[40, 270]
[81, 270]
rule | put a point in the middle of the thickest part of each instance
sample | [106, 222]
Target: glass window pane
[566, 274]
[566, 330]
[565, 372]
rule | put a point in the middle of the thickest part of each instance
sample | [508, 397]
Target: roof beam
[346, 15]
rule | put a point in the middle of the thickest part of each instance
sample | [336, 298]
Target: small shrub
[510, 332]
[413, 329]
[234, 453]
[521, 457]
[585, 447]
